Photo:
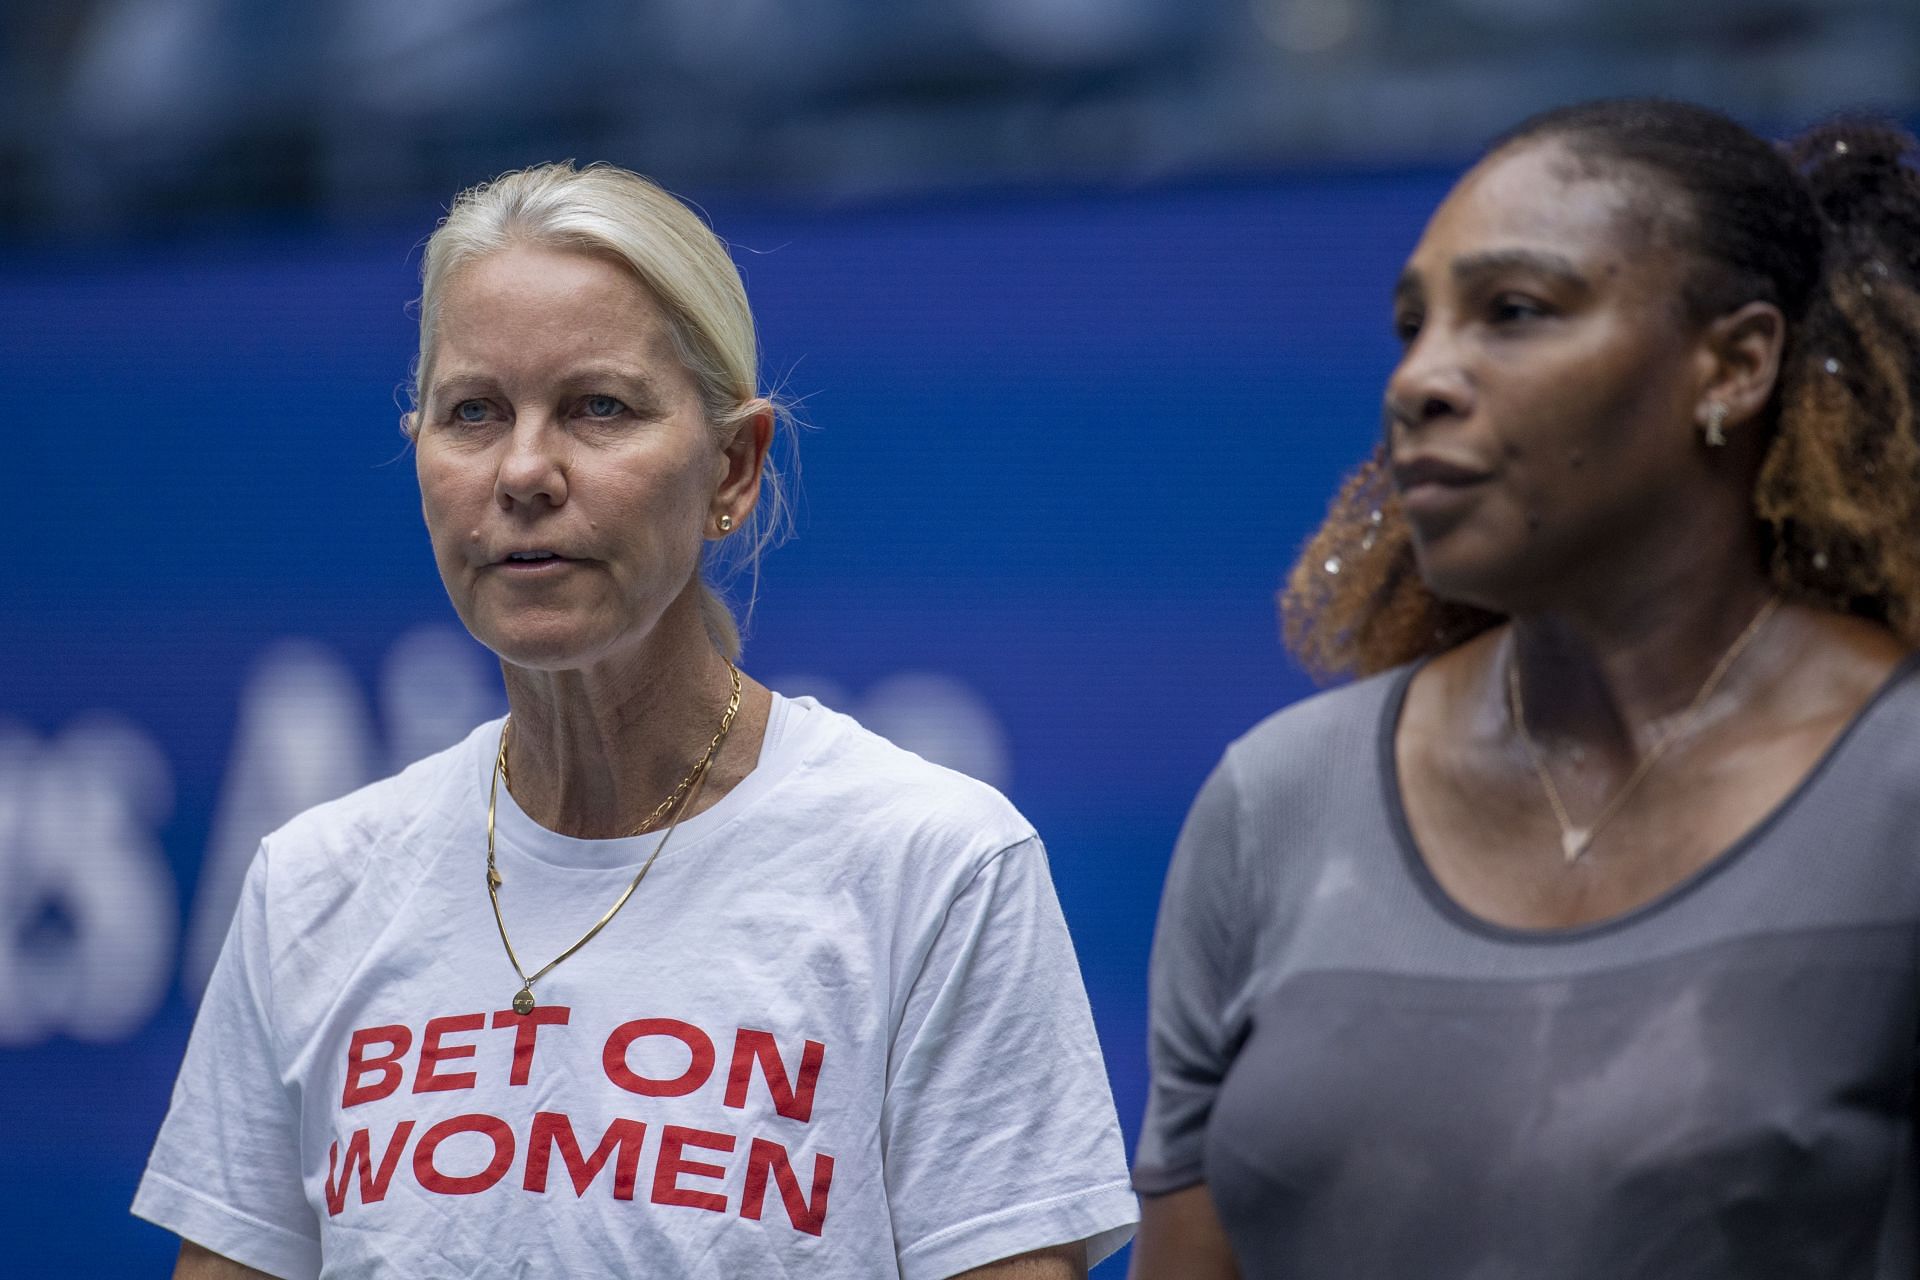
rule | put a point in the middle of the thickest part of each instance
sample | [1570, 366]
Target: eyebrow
[639, 384]
[1479, 265]
[457, 382]
[1476, 267]
[633, 381]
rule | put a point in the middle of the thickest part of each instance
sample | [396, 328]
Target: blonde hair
[613, 213]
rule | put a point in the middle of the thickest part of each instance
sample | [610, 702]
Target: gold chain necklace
[1575, 841]
[689, 788]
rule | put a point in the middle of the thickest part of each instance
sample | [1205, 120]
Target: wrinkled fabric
[838, 1030]
[1372, 1082]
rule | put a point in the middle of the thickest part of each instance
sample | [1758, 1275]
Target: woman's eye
[1513, 306]
[1406, 327]
[602, 407]
[470, 411]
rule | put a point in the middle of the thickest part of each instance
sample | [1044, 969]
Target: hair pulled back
[618, 215]
[1827, 228]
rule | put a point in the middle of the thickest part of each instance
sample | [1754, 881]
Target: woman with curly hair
[1578, 938]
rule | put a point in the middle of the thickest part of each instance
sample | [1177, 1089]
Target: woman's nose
[1429, 383]
[534, 467]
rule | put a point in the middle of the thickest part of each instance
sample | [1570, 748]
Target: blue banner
[1062, 449]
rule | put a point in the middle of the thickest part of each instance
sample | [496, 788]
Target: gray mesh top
[1374, 1083]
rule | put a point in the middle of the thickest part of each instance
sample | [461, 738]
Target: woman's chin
[546, 647]
[1462, 580]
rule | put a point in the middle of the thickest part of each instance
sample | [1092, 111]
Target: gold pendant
[1574, 842]
[523, 1001]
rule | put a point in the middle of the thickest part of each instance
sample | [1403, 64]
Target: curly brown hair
[1827, 228]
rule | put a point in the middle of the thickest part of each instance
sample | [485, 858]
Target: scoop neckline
[1459, 914]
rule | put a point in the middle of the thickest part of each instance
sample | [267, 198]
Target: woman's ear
[744, 461]
[1742, 351]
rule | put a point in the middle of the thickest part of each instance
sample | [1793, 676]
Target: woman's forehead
[522, 277]
[525, 295]
[1541, 197]
[533, 313]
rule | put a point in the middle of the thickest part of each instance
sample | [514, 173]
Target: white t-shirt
[838, 1031]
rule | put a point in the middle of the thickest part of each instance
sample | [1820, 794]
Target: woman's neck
[1613, 677]
[593, 752]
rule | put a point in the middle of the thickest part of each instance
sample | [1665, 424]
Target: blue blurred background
[1085, 301]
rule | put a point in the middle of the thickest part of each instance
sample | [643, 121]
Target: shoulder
[1303, 779]
[391, 826]
[851, 775]
[1335, 734]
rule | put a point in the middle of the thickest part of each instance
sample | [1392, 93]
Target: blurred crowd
[138, 113]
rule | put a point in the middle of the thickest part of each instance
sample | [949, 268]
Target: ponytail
[1840, 487]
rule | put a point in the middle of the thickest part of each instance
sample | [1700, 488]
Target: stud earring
[726, 524]
[1714, 432]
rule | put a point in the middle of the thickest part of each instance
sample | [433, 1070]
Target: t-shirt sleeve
[999, 1133]
[225, 1170]
[1194, 972]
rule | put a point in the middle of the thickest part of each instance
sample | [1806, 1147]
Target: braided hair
[1827, 228]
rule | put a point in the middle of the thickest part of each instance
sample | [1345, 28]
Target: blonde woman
[664, 974]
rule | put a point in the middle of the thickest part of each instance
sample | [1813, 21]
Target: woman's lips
[1424, 469]
[545, 567]
[1432, 486]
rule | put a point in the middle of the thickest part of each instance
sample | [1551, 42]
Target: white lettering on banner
[935, 716]
[305, 736]
[87, 901]
[302, 736]
[435, 685]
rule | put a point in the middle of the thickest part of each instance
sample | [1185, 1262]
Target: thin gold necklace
[690, 787]
[1575, 841]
